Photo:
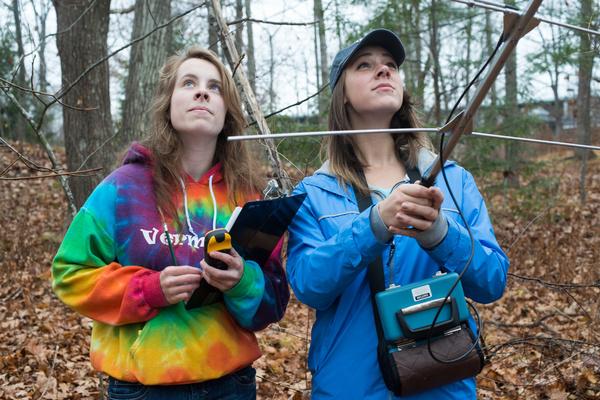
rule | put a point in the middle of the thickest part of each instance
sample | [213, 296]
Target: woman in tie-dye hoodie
[115, 266]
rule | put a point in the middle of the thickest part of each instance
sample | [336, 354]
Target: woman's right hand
[179, 282]
[411, 205]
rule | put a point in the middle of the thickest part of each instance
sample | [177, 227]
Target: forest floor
[543, 335]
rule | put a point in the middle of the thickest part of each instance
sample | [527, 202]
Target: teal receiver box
[406, 312]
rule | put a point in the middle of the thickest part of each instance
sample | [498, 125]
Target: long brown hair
[344, 161]
[239, 169]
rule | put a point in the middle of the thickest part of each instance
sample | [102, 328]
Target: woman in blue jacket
[332, 243]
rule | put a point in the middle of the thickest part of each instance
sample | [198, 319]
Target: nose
[384, 71]
[201, 94]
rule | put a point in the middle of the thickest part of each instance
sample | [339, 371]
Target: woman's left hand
[224, 279]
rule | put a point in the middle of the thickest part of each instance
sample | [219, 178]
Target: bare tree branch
[63, 180]
[37, 93]
[87, 172]
[89, 7]
[554, 285]
[262, 21]
[125, 10]
[281, 177]
[293, 105]
[64, 91]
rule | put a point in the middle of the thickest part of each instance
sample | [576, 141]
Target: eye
[215, 87]
[363, 65]
[392, 65]
[188, 83]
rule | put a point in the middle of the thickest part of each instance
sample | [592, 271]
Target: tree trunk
[338, 21]
[490, 48]
[272, 95]
[250, 48]
[469, 40]
[40, 27]
[85, 131]
[586, 60]
[435, 55]
[19, 128]
[317, 68]
[213, 33]
[511, 110]
[319, 15]
[145, 60]
[41, 18]
[239, 29]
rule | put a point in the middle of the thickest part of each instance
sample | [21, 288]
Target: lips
[384, 86]
[200, 108]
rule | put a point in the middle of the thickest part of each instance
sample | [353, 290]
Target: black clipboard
[255, 233]
[261, 224]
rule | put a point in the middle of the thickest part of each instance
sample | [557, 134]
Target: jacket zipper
[390, 264]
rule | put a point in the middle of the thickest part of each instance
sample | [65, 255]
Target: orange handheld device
[216, 240]
[205, 294]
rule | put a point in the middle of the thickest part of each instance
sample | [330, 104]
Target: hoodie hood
[141, 155]
[138, 154]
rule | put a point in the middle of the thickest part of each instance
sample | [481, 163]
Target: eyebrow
[190, 75]
[386, 53]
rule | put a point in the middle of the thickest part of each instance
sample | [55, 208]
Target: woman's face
[197, 104]
[373, 86]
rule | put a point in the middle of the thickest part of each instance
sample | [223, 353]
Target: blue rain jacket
[330, 247]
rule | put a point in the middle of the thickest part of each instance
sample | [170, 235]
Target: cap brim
[384, 38]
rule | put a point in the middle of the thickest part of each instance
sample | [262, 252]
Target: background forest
[76, 78]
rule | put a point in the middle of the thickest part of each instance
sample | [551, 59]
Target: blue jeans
[239, 385]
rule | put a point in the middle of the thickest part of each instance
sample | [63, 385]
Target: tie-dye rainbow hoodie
[108, 268]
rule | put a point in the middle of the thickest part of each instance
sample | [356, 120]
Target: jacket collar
[329, 182]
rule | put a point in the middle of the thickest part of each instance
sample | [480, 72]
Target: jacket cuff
[153, 294]
[435, 234]
[250, 283]
[366, 245]
[454, 249]
[378, 227]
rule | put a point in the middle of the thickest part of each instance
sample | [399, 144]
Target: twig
[531, 325]
[125, 10]
[527, 340]
[37, 93]
[63, 180]
[283, 180]
[60, 32]
[544, 211]
[589, 317]
[262, 21]
[50, 373]
[238, 64]
[278, 383]
[96, 150]
[64, 91]
[555, 285]
[293, 105]
[278, 328]
[86, 172]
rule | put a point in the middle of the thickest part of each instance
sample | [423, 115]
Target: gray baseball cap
[377, 37]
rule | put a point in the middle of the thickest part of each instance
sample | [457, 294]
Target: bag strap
[375, 271]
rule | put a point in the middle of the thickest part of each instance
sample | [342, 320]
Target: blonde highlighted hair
[344, 158]
[239, 168]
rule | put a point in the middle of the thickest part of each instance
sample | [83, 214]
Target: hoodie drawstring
[185, 205]
[214, 201]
